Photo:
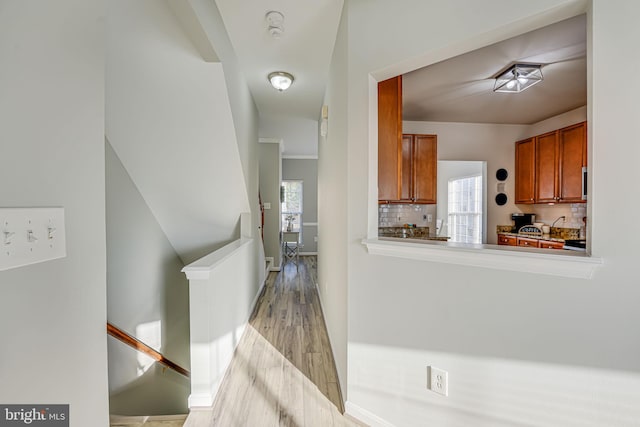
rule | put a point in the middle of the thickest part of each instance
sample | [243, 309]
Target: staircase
[142, 421]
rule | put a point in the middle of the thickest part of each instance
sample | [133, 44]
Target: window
[465, 209]
[291, 206]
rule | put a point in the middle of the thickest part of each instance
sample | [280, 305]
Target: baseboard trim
[139, 419]
[365, 416]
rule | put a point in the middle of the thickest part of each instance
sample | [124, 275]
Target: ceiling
[304, 50]
[460, 89]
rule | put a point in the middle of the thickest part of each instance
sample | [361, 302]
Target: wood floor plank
[283, 371]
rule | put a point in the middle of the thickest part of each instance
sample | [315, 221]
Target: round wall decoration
[501, 174]
[501, 199]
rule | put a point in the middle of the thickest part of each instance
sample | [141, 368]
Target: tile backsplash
[390, 215]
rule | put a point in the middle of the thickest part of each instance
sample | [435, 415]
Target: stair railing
[138, 345]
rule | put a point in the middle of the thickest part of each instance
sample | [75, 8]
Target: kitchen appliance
[584, 183]
[575, 245]
[521, 219]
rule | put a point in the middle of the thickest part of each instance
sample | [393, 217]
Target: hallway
[282, 373]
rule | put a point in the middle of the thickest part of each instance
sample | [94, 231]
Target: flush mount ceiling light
[518, 77]
[280, 80]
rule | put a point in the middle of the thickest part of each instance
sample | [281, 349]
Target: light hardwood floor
[282, 373]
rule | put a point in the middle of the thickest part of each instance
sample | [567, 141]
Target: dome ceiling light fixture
[518, 78]
[280, 80]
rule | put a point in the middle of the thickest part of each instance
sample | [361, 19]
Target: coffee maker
[521, 219]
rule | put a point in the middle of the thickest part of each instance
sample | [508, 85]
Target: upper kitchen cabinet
[549, 167]
[525, 171]
[419, 169]
[572, 147]
[407, 164]
[389, 138]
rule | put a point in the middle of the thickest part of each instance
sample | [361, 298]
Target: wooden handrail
[135, 343]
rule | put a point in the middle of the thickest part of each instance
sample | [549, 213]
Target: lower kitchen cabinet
[504, 239]
[548, 244]
[527, 242]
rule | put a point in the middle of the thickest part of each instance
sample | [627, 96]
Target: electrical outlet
[429, 218]
[438, 380]
[315, 239]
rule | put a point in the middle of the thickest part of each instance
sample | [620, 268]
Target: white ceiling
[460, 89]
[304, 50]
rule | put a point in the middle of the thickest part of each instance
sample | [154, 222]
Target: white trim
[201, 269]
[279, 141]
[309, 224]
[140, 419]
[567, 264]
[300, 157]
[308, 253]
[365, 416]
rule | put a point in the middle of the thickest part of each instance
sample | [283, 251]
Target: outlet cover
[438, 380]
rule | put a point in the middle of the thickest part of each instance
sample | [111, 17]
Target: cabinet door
[425, 163]
[525, 170]
[549, 244]
[573, 156]
[406, 170]
[504, 239]
[530, 243]
[389, 134]
[547, 168]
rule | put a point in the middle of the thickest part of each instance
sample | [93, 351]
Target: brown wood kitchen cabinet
[550, 244]
[389, 138]
[508, 240]
[572, 146]
[549, 166]
[546, 171]
[525, 171]
[529, 243]
[407, 164]
[419, 169]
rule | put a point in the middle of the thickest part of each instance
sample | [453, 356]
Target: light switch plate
[31, 235]
[267, 205]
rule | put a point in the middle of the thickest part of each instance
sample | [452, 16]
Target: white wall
[406, 314]
[53, 314]
[145, 286]
[222, 294]
[299, 135]
[169, 119]
[333, 206]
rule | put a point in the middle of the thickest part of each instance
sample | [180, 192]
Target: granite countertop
[411, 233]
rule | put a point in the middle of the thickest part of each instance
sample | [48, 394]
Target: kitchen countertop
[409, 233]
